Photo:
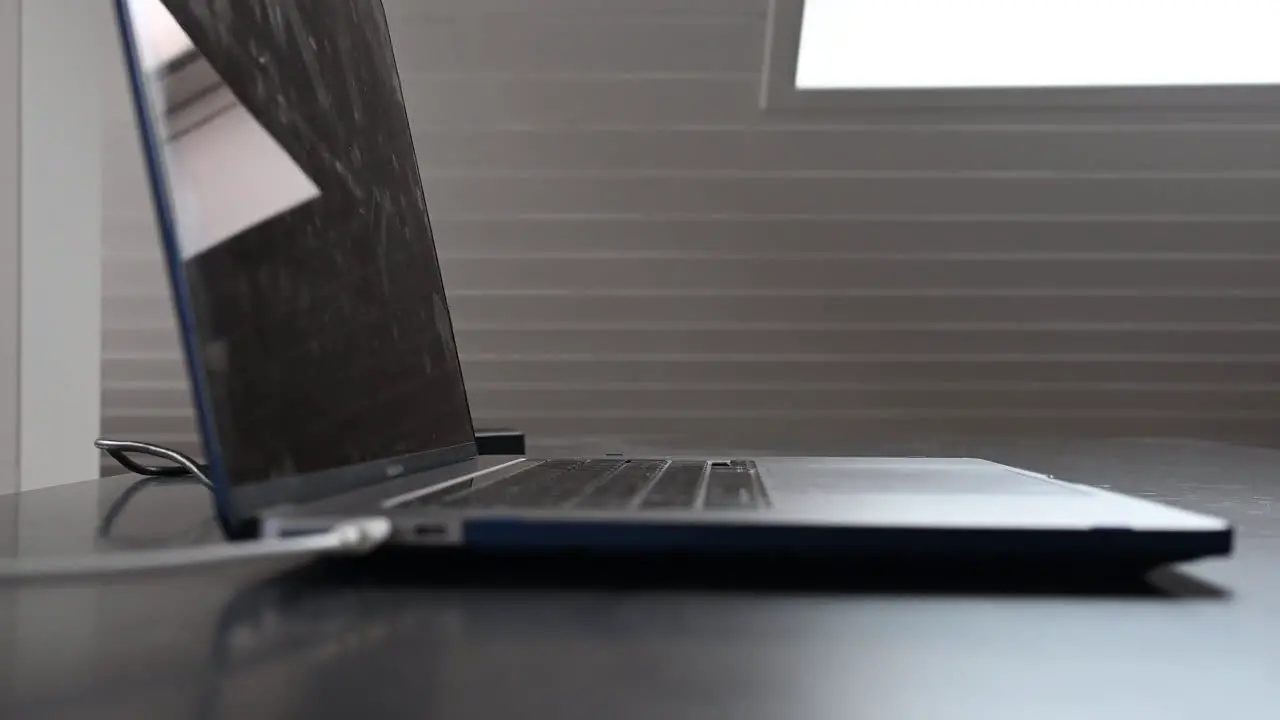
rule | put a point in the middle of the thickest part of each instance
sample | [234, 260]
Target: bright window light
[921, 44]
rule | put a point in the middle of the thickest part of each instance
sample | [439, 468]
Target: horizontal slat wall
[144, 389]
[633, 247]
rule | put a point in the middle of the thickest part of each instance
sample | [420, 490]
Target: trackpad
[884, 476]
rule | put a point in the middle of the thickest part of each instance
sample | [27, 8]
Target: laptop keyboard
[614, 485]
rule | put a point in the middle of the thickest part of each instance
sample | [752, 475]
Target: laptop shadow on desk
[755, 575]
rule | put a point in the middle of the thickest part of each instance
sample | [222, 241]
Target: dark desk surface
[290, 639]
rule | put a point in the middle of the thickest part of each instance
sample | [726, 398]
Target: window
[1061, 50]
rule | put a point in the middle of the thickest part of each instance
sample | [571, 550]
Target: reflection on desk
[400, 637]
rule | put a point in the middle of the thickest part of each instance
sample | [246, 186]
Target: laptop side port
[429, 532]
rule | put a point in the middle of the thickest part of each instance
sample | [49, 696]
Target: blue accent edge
[173, 258]
[551, 534]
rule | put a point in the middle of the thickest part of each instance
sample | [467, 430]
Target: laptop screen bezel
[237, 506]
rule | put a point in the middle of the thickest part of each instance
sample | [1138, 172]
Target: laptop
[327, 383]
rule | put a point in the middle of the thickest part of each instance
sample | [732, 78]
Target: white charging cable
[348, 537]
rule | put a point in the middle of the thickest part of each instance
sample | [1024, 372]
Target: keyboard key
[617, 491]
[731, 487]
[677, 488]
[567, 487]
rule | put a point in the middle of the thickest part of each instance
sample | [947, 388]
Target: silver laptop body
[325, 376]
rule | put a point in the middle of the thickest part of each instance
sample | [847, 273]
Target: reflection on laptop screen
[320, 334]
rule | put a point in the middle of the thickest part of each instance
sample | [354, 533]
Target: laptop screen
[304, 269]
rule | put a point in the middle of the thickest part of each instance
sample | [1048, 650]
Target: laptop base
[855, 509]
